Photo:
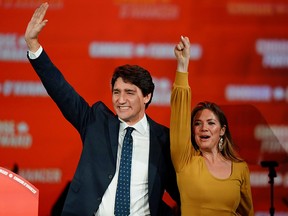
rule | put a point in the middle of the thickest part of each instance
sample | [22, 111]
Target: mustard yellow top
[201, 193]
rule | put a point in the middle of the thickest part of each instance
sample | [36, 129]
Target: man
[94, 185]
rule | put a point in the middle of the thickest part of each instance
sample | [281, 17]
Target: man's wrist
[33, 45]
[36, 54]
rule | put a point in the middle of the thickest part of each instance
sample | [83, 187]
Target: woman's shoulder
[240, 167]
[242, 164]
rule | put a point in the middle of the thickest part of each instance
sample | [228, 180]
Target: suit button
[99, 198]
[110, 176]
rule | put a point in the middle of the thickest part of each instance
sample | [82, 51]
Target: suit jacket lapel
[154, 155]
[154, 151]
[113, 125]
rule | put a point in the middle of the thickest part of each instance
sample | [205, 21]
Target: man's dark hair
[136, 75]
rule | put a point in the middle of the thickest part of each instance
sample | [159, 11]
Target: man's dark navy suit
[98, 128]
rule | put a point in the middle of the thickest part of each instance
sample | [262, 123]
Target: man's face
[128, 101]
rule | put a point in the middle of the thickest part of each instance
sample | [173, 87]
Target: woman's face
[207, 130]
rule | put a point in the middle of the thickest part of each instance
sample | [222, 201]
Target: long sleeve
[246, 205]
[71, 104]
[180, 122]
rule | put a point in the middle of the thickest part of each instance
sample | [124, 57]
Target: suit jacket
[98, 127]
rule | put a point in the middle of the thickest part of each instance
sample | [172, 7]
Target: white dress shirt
[139, 205]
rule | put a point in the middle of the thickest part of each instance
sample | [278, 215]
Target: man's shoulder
[156, 125]
[103, 108]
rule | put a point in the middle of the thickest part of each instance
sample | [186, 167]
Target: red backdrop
[239, 59]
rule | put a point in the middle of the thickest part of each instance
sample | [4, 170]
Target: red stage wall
[239, 59]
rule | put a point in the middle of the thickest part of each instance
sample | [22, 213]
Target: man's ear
[147, 98]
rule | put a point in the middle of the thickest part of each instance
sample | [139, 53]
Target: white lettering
[110, 49]
[7, 127]
[29, 88]
[162, 92]
[16, 141]
[4, 172]
[52, 175]
[261, 179]
[130, 50]
[25, 184]
[274, 52]
[18, 180]
[248, 93]
[274, 138]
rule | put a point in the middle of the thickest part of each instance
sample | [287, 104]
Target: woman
[212, 179]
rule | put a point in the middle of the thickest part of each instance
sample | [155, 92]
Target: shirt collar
[141, 126]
